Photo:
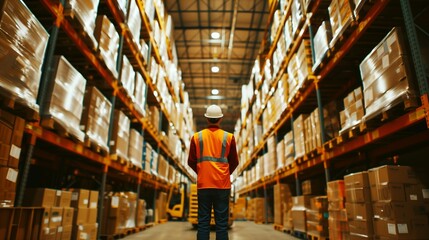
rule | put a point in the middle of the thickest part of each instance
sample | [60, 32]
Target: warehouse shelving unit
[366, 140]
[89, 161]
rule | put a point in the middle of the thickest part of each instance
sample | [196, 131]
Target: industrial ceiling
[223, 62]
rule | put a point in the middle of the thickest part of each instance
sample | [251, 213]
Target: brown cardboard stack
[135, 149]
[340, 16]
[154, 117]
[304, 61]
[85, 13]
[85, 204]
[280, 153]
[359, 206]
[66, 102]
[354, 109]
[299, 137]
[321, 41]
[317, 217]
[160, 209]
[263, 212]
[239, 212]
[120, 136]
[282, 203]
[141, 213]
[115, 214]
[398, 205]
[312, 131]
[299, 210]
[128, 76]
[331, 119]
[134, 21]
[108, 42]
[386, 76]
[289, 148]
[23, 42]
[130, 221]
[58, 215]
[270, 162]
[338, 225]
[95, 117]
[297, 15]
[147, 157]
[8, 178]
[250, 214]
[139, 96]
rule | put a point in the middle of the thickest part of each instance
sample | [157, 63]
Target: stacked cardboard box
[85, 13]
[354, 109]
[95, 117]
[289, 148]
[282, 203]
[160, 209]
[263, 212]
[115, 214]
[58, 214]
[331, 119]
[23, 42]
[147, 153]
[120, 136]
[288, 33]
[154, 117]
[128, 76]
[386, 76]
[317, 217]
[292, 70]
[250, 214]
[11, 133]
[135, 149]
[321, 41]
[340, 16]
[85, 204]
[280, 153]
[134, 20]
[338, 225]
[275, 24]
[239, 210]
[359, 206]
[65, 104]
[297, 15]
[270, 162]
[304, 62]
[299, 212]
[312, 131]
[141, 213]
[108, 42]
[313, 187]
[130, 221]
[398, 205]
[299, 136]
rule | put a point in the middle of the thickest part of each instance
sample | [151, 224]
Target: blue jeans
[219, 200]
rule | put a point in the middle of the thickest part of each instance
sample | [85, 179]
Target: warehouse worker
[213, 156]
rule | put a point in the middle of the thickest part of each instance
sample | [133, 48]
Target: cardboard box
[313, 187]
[391, 210]
[358, 195]
[40, 197]
[93, 199]
[68, 213]
[393, 229]
[338, 215]
[62, 198]
[80, 232]
[302, 201]
[356, 180]
[92, 215]
[361, 227]
[64, 232]
[336, 190]
[413, 193]
[359, 211]
[299, 220]
[56, 217]
[48, 234]
[80, 198]
[319, 203]
[391, 174]
[80, 216]
[388, 192]
[336, 205]
[8, 178]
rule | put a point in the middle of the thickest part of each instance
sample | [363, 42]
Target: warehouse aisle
[183, 231]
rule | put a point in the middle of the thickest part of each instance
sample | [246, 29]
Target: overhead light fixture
[215, 69]
[215, 92]
[215, 35]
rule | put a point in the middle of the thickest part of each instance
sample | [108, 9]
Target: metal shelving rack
[366, 142]
[104, 165]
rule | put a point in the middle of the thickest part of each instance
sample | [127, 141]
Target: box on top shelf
[128, 76]
[85, 12]
[297, 15]
[336, 190]
[96, 116]
[65, 105]
[321, 41]
[120, 136]
[340, 16]
[108, 42]
[134, 21]
[354, 110]
[23, 42]
[11, 134]
[391, 174]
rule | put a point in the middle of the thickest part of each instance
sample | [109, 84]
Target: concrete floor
[241, 230]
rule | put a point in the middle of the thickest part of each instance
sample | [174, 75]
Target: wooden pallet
[19, 107]
[95, 147]
[298, 234]
[55, 126]
[117, 158]
[311, 236]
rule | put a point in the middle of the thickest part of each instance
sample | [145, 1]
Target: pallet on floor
[311, 236]
[298, 234]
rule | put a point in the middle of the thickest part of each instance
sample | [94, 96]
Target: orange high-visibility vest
[212, 153]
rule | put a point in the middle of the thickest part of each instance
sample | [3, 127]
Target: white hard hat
[213, 111]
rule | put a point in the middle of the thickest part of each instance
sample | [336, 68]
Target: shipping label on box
[80, 198]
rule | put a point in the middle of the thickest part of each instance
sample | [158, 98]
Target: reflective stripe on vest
[222, 159]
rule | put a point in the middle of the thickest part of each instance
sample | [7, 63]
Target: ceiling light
[215, 92]
[215, 69]
[215, 35]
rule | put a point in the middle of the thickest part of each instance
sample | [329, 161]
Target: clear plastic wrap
[127, 77]
[321, 43]
[140, 93]
[65, 105]
[23, 42]
[135, 149]
[134, 21]
[85, 12]
[121, 135]
[108, 42]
